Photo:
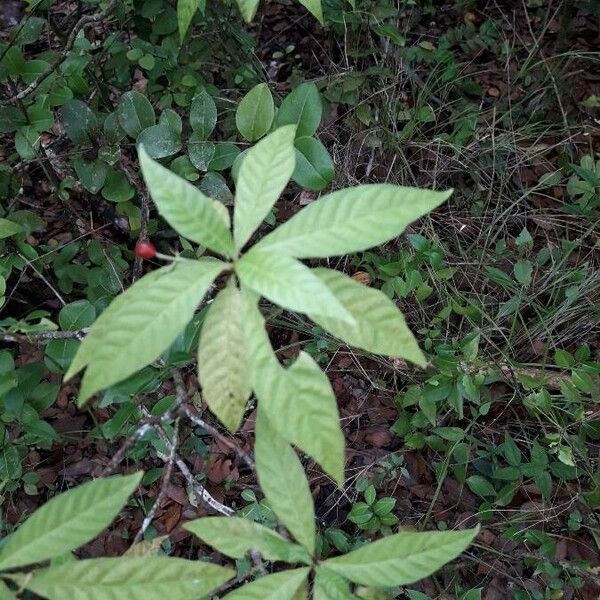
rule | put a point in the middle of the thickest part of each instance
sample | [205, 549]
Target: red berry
[145, 250]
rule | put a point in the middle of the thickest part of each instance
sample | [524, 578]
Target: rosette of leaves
[396, 560]
[255, 116]
[235, 356]
[72, 519]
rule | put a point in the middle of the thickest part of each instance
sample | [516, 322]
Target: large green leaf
[379, 325]
[186, 9]
[351, 220]
[314, 167]
[68, 521]
[222, 358]
[185, 207]
[141, 323]
[279, 586]
[283, 482]
[401, 559]
[254, 115]
[264, 172]
[203, 114]
[134, 578]
[287, 282]
[235, 537]
[248, 9]
[309, 414]
[298, 401]
[328, 585]
[303, 108]
[135, 113]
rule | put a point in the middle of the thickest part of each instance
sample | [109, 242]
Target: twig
[148, 423]
[83, 21]
[43, 336]
[185, 410]
[164, 485]
[41, 276]
[201, 492]
[242, 454]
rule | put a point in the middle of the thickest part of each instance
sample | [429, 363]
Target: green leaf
[235, 537]
[224, 156]
[523, 270]
[254, 115]
[314, 167]
[186, 9]
[351, 220]
[78, 121]
[117, 188]
[135, 113]
[289, 283]
[134, 578]
[8, 228]
[248, 9]
[314, 7]
[222, 359]
[303, 108]
[401, 559]
[185, 207]
[279, 586]
[141, 323]
[264, 172]
[201, 152]
[160, 140]
[511, 451]
[203, 115]
[76, 315]
[481, 486]
[91, 175]
[379, 326]
[298, 401]
[328, 585]
[68, 521]
[283, 482]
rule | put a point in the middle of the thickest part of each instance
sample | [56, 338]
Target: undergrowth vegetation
[142, 122]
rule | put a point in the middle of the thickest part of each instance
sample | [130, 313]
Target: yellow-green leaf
[133, 578]
[401, 559]
[185, 207]
[379, 325]
[68, 521]
[351, 220]
[279, 586]
[248, 9]
[298, 401]
[141, 323]
[283, 482]
[235, 537]
[264, 172]
[222, 358]
[287, 282]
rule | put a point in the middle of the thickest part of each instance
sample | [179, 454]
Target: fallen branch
[163, 488]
